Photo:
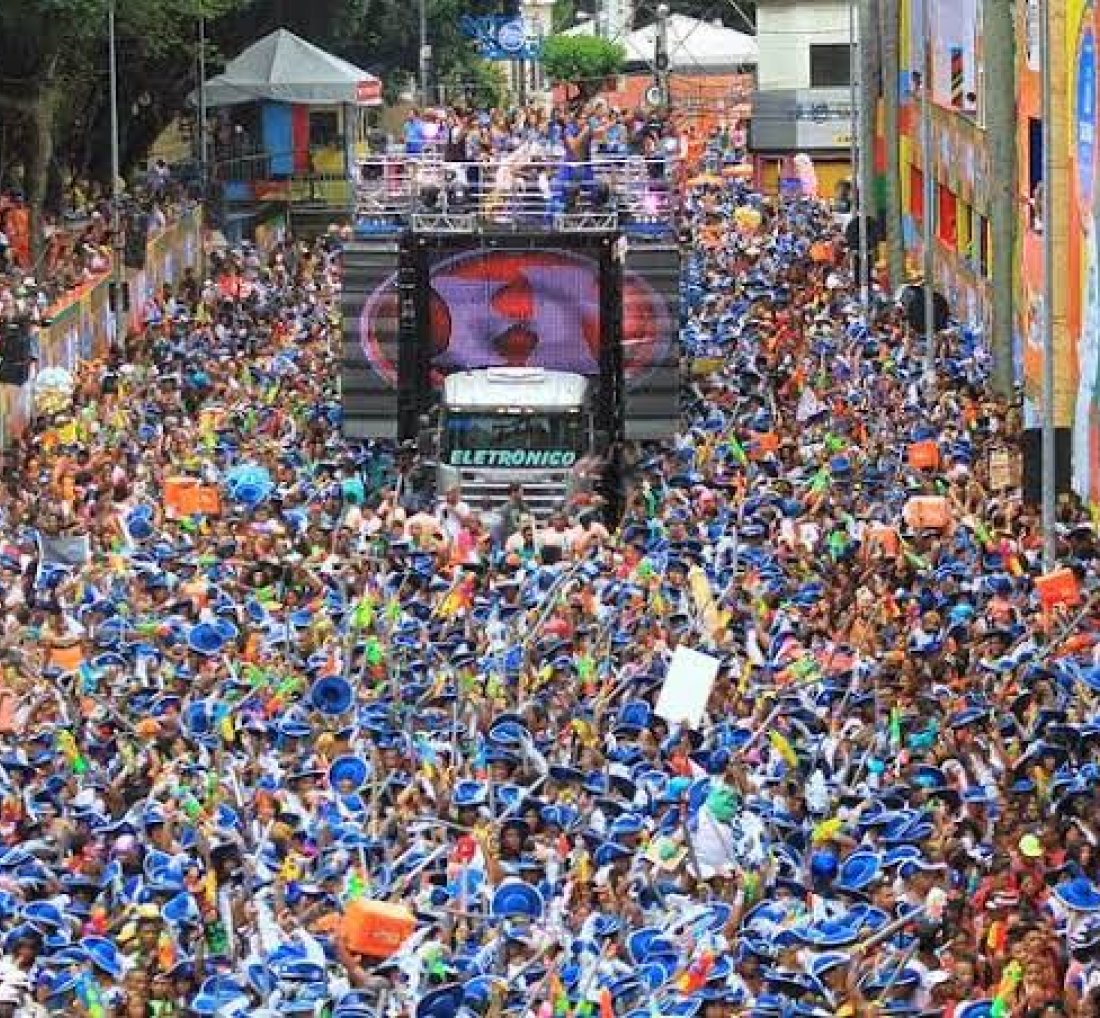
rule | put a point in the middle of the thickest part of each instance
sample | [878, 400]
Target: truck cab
[497, 427]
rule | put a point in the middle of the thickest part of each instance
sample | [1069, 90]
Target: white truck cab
[502, 426]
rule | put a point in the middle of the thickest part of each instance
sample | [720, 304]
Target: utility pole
[853, 121]
[204, 163]
[929, 179]
[891, 71]
[866, 22]
[116, 171]
[999, 105]
[1049, 478]
[660, 56]
[425, 53]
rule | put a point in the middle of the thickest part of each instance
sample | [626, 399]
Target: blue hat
[44, 916]
[975, 1009]
[858, 870]
[1079, 894]
[441, 1002]
[469, 793]
[609, 851]
[206, 639]
[331, 695]
[348, 768]
[514, 897]
[823, 865]
[634, 717]
[218, 993]
[104, 955]
[831, 933]
[139, 522]
[828, 961]
[182, 909]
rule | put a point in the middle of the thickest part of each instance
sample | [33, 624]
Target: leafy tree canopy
[583, 61]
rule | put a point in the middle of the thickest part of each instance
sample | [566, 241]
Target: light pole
[1049, 493]
[864, 28]
[929, 181]
[116, 190]
[660, 56]
[203, 154]
[855, 149]
[425, 53]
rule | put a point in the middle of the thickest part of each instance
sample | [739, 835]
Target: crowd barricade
[79, 326]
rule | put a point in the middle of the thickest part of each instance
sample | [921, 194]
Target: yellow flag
[783, 748]
[827, 830]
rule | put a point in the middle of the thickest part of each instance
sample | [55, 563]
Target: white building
[803, 101]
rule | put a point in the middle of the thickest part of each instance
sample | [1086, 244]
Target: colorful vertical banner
[958, 81]
[1085, 335]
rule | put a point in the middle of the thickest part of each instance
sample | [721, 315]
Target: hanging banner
[502, 37]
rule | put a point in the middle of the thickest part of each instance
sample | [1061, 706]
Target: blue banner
[501, 37]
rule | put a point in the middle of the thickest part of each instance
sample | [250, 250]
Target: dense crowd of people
[77, 246]
[572, 135]
[256, 697]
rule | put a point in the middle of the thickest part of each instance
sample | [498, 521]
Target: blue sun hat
[441, 1002]
[206, 639]
[60, 986]
[220, 993]
[1079, 894]
[350, 769]
[104, 955]
[859, 870]
[44, 916]
[249, 484]
[331, 695]
[469, 794]
[182, 910]
[516, 898]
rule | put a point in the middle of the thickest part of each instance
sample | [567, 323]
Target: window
[982, 230]
[830, 65]
[916, 194]
[946, 216]
[324, 128]
[1035, 171]
[964, 226]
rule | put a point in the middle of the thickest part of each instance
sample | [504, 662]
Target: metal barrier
[430, 194]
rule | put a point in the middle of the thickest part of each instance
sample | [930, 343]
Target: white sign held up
[687, 687]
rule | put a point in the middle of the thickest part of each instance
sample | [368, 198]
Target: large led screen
[482, 306]
[523, 308]
[493, 308]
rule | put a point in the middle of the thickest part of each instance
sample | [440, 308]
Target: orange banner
[186, 496]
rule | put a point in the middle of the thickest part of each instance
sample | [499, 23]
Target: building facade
[803, 98]
[962, 253]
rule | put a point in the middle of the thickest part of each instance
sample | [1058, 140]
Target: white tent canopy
[694, 46]
[284, 68]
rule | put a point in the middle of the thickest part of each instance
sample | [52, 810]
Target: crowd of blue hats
[278, 750]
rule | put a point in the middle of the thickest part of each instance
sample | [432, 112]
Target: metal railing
[429, 193]
[264, 175]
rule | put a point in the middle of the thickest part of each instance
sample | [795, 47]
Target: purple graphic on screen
[530, 308]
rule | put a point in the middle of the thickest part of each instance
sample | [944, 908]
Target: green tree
[54, 85]
[583, 62]
[54, 108]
